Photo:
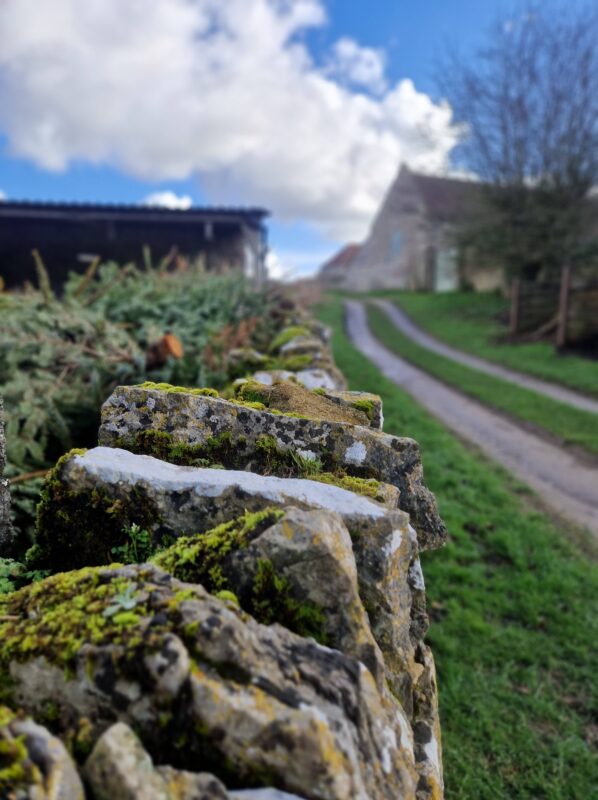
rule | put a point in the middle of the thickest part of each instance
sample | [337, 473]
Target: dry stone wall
[6, 532]
[265, 637]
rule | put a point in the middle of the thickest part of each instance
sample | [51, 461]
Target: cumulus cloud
[227, 92]
[360, 66]
[168, 199]
[2, 195]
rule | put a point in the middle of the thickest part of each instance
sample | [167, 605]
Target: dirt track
[561, 393]
[566, 484]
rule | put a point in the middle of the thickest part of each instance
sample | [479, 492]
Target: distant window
[396, 243]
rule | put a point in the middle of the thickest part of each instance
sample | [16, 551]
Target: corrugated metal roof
[53, 209]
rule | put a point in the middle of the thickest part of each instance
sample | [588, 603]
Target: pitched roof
[446, 198]
[343, 258]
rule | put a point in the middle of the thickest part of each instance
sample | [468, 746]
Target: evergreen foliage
[61, 357]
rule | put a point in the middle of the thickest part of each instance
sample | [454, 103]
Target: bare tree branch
[529, 101]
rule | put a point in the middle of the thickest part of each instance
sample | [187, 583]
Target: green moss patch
[199, 559]
[286, 335]
[17, 771]
[81, 528]
[206, 559]
[293, 363]
[367, 406]
[368, 487]
[218, 450]
[272, 600]
[56, 617]
[168, 387]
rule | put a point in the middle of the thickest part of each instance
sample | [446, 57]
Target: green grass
[570, 425]
[471, 322]
[514, 618]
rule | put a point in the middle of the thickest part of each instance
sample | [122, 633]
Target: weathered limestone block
[324, 361]
[296, 568]
[357, 408]
[310, 378]
[236, 436]
[291, 397]
[370, 404]
[426, 728]
[119, 768]
[203, 683]
[320, 378]
[270, 376]
[317, 582]
[6, 529]
[34, 765]
[92, 497]
[301, 345]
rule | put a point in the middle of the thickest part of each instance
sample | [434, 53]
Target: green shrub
[60, 358]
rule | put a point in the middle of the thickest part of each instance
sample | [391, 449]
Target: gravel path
[565, 483]
[561, 393]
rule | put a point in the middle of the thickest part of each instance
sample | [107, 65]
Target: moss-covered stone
[220, 450]
[168, 387]
[208, 559]
[357, 450]
[367, 406]
[17, 771]
[293, 399]
[200, 558]
[272, 600]
[368, 487]
[101, 523]
[286, 335]
[290, 363]
[202, 683]
[58, 616]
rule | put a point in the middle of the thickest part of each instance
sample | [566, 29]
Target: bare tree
[528, 100]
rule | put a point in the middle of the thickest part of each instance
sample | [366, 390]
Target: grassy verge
[471, 322]
[514, 619]
[570, 425]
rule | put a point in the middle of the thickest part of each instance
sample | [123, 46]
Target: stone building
[413, 243]
[333, 271]
[70, 235]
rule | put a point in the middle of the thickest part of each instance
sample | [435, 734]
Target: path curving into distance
[560, 393]
[565, 483]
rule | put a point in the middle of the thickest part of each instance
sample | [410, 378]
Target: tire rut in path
[556, 392]
[564, 483]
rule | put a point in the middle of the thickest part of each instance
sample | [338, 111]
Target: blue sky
[107, 101]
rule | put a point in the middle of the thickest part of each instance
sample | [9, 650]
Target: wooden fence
[567, 308]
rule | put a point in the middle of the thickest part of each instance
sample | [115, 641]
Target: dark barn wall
[61, 240]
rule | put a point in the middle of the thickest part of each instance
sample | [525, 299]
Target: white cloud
[224, 91]
[361, 66]
[2, 195]
[168, 199]
[292, 264]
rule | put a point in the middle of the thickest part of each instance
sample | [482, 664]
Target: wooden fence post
[515, 302]
[561, 332]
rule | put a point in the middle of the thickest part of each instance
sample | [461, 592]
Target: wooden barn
[70, 235]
